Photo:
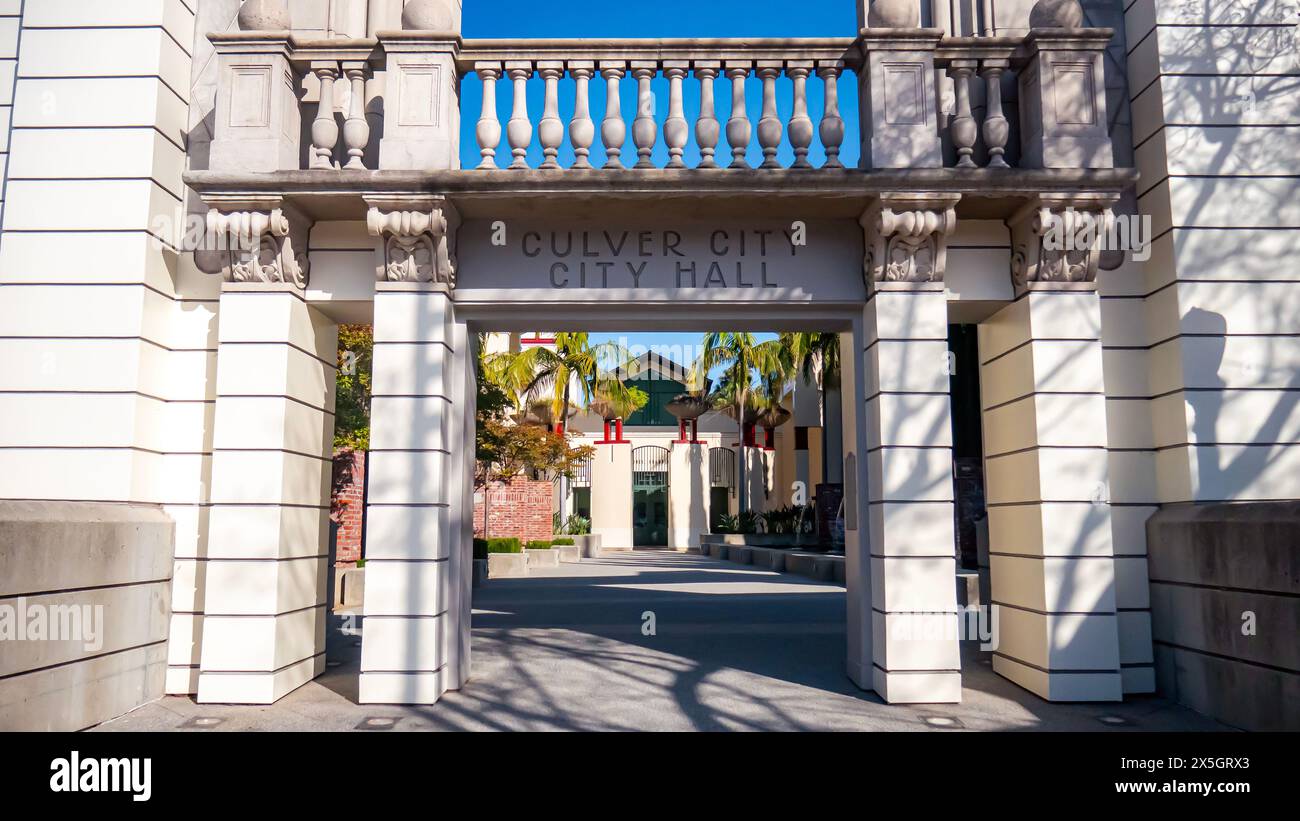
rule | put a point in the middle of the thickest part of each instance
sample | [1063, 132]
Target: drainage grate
[943, 722]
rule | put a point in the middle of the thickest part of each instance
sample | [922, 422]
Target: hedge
[539, 545]
[504, 546]
[566, 542]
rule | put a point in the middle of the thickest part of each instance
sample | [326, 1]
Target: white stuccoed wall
[688, 495]
[110, 332]
[1215, 111]
[611, 495]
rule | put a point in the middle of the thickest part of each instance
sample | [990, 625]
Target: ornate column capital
[260, 239]
[419, 238]
[1058, 238]
[906, 237]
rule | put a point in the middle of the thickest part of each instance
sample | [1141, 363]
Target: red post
[749, 436]
[618, 429]
[605, 441]
[769, 438]
[681, 432]
[695, 431]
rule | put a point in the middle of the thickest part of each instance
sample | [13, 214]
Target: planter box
[569, 553]
[542, 558]
[480, 572]
[739, 554]
[507, 565]
[588, 546]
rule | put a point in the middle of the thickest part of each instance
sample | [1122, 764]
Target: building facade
[196, 194]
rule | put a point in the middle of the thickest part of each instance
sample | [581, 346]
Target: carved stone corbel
[261, 239]
[906, 237]
[419, 238]
[1058, 239]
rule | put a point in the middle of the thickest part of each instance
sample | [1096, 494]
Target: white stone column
[1047, 469]
[611, 494]
[688, 494]
[908, 556]
[419, 511]
[264, 624]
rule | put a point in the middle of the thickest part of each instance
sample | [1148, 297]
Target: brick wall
[347, 504]
[521, 508]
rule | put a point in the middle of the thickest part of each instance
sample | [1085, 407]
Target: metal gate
[650, 496]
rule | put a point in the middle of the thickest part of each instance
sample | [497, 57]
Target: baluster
[963, 129]
[613, 131]
[738, 128]
[707, 129]
[519, 129]
[801, 127]
[832, 125]
[551, 130]
[324, 129]
[488, 130]
[644, 131]
[676, 129]
[769, 125]
[996, 128]
[582, 132]
[356, 131]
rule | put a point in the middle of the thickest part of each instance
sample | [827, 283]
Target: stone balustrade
[722, 138]
[398, 88]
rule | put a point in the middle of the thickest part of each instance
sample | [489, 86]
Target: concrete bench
[768, 558]
[569, 553]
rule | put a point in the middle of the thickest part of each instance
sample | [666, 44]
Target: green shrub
[565, 542]
[575, 525]
[539, 545]
[504, 546]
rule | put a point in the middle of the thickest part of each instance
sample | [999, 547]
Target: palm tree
[740, 356]
[816, 357]
[540, 374]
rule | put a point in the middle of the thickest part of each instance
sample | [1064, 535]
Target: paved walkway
[735, 648]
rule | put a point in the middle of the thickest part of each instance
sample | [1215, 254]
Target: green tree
[539, 374]
[352, 403]
[740, 357]
[816, 357]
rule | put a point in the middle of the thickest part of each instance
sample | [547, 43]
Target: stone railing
[679, 62]
[399, 105]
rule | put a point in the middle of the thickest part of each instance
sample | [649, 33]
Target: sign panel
[661, 260]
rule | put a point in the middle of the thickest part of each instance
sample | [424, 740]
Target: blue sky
[661, 18]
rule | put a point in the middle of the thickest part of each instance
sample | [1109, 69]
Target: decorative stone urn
[430, 15]
[751, 415]
[774, 417]
[264, 15]
[894, 14]
[1056, 14]
[688, 406]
